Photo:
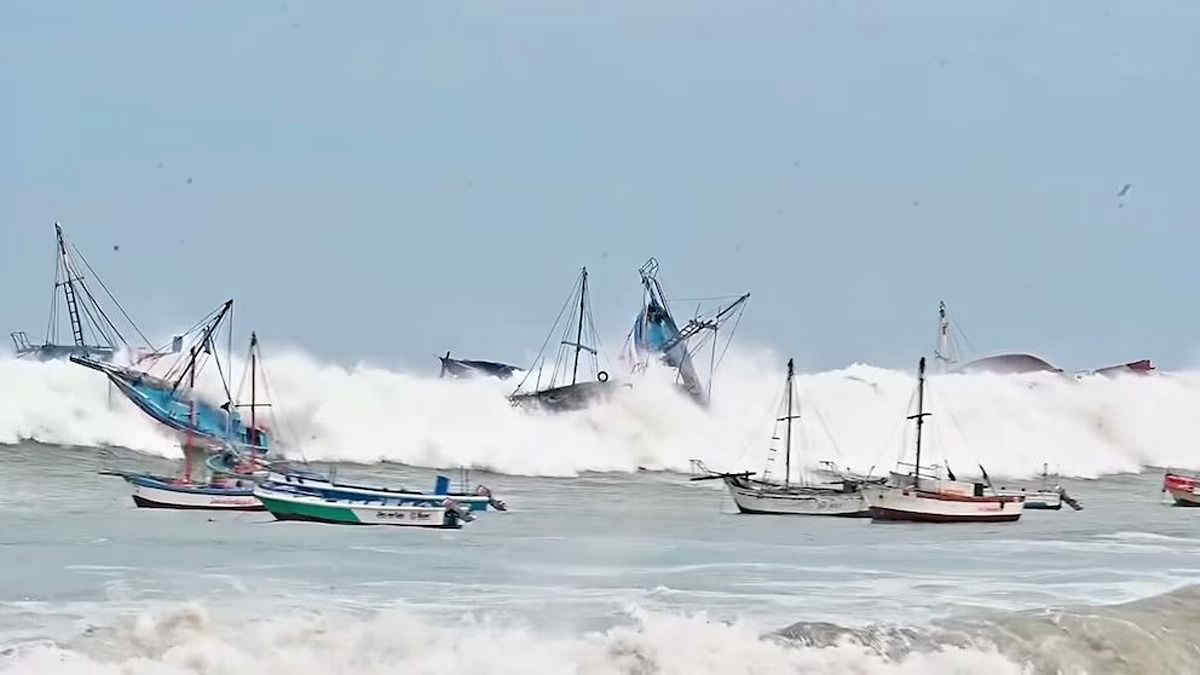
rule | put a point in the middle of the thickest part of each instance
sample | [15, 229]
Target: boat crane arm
[696, 325]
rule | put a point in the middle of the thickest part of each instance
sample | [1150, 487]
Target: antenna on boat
[920, 416]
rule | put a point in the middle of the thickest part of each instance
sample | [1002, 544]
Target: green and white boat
[287, 504]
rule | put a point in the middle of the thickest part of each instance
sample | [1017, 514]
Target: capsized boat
[95, 333]
[1184, 489]
[289, 504]
[467, 368]
[1047, 495]
[160, 492]
[922, 495]
[561, 389]
[656, 335]
[842, 497]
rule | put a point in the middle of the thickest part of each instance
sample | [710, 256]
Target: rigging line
[829, 434]
[52, 322]
[737, 322]
[547, 340]
[111, 297]
[708, 299]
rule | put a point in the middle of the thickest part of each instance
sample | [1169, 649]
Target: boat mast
[253, 400]
[787, 457]
[579, 333]
[920, 416]
[68, 285]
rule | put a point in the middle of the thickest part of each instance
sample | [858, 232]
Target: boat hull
[322, 487]
[1184, 490]
[907, 504]
[151, 493]
[318, 510]
[1046, 500]
[796, 501]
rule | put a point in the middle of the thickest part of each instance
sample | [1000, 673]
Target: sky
[381, 182]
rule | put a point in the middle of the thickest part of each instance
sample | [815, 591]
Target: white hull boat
[157, 492]
[286, 505]
[839, 497]
[908, 503]
[922, 495]
[752, 497]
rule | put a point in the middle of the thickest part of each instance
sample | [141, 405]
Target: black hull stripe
[878, 513]
[144, 503]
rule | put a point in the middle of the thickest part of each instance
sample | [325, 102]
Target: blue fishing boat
[655, 334]
[172, 400]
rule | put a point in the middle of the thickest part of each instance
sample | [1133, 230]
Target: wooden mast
[579, 333]
[787, 456]
[919, 417]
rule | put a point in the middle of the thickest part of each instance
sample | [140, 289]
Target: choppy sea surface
[640, 572]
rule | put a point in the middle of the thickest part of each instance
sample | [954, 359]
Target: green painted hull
[285, 509]
[341, 513]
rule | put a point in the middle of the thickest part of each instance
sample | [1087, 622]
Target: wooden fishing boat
[842, 497]
[159, 492]
[286, 504]
[922, 495]
[554, 391]
[322, 485]
[656, 335]
[1184, 489]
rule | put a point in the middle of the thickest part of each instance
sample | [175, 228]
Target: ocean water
[599, 567]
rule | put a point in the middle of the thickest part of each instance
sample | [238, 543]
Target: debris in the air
[116, 247]
[189, 180]
[1125, 190]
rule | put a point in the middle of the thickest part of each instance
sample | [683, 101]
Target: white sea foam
[189, 639]
[1011, 424]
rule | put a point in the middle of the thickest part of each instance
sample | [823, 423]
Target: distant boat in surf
[467, 368]
[919, 493]
[1047, 495]
[842, 497]
[557, 385]
[1184, 489]
[656, 335]
[290, 504]
[93, 324]
[949, 349]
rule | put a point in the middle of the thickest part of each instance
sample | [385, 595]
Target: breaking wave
[1158, 634]
[1012, 424]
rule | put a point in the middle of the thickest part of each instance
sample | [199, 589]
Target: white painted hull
[152, 497]
[895, 503]
[1184, 489]
[1036, 499]
[478, 502]
[797, 501]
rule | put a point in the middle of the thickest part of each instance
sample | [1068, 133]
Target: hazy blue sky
[389, 180]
